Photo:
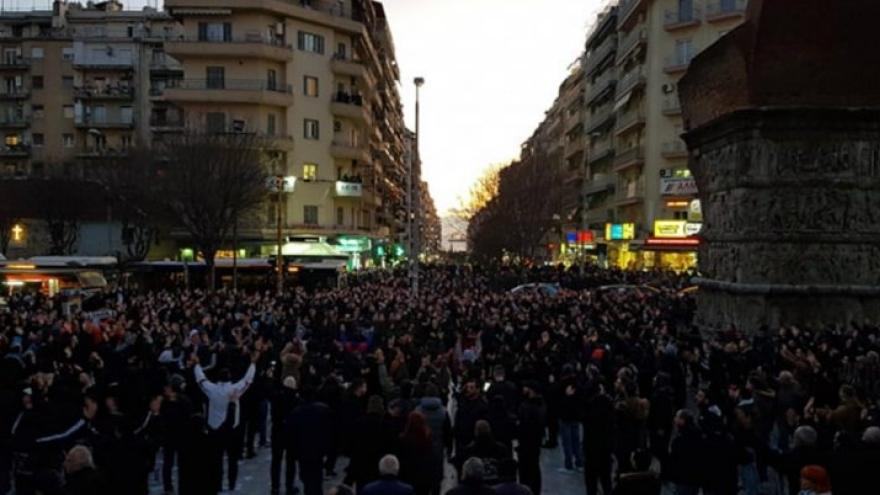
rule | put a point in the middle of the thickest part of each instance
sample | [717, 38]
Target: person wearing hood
[440, 425]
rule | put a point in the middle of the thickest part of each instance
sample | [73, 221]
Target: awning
[623, 101]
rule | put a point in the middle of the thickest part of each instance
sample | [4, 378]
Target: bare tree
[207, 182]
[62, 205]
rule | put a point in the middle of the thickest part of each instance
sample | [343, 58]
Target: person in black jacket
[642, 481]
[531, 421]
[685, 454]
[484, 447]
[80, 475]
[471, 408]
[599, 432]
[502, 387]
[175, 418]
[310, 436]
[284, 400]
[369, 442]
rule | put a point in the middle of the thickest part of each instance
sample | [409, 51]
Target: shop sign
[620, 231]
[676, 229]
[678, 186]
[349, 189]
[682, 242]
[695, 211]
[579, 237]
[353, 244]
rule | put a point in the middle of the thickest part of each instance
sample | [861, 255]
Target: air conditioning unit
[668, 88]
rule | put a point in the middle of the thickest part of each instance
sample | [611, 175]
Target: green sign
[353, 244]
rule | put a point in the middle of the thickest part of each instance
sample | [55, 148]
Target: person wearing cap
[815, 481]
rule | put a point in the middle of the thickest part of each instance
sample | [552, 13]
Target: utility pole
[415, 185]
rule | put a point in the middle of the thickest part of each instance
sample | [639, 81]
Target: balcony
[351, 68]
[254, 91]
[630, 82]
[626, 11]
[600, 118]
[350, 106]
[634, 39]
[162, 123]
[598, 217]
[600, 87]
[15, 64]
[681, 18]
[630, 193]
[349, 151]
[598, 56]
[109, 93]
[104, 63]
[628, 121]
[14, 122]
[253, 46]
[599, 183]
[720, 10]
[17, 93]
[101, 152]
[677, 63]
[671, 106]
[599, 153]
[106, 122]
[674, 150]
[163, 64]
[633, 157]
[21, 150]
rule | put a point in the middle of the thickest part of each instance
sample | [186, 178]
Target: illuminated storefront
[617, 238]
[579, 247]
[673, 246]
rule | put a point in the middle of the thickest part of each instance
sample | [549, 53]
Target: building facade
[316, 80]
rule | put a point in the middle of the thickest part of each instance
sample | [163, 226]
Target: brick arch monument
[782, 119]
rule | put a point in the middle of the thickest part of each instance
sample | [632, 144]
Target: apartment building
[316, 79]
[647, 197]
[73, 84]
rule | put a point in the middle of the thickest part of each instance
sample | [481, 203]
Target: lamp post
[279, 260]
[414, 185]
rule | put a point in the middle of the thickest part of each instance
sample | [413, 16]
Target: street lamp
[413, 213]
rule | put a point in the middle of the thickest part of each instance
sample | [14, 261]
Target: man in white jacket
[224, 414]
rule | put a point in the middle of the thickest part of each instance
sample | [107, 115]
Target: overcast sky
[492, 67]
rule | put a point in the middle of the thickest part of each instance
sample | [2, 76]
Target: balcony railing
[15, 63]
[629, 158]
[600, 152]
[626, 8]
[677, 63]
[630, 81]
[18, 150]
[600, 117]
[14, 121]
[254, 38]
[629, 120]
[682, 17]
[106, 93]
[630, 41]
[351, 99]
[599, 183]
[674, 149]
[602, 84]
[600, 54]
[229, 85]
[630, 192]
[107, 122]
[671, 106]
[14, 93]
[717, 10]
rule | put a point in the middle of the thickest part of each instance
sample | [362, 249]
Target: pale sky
[492, 67]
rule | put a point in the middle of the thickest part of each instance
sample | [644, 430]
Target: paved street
[254, 475]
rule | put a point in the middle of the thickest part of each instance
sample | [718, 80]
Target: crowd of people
[395, 388]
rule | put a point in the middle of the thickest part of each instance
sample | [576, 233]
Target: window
[67, 82]
[310, 215]
[126, 141]
[309, 42]
[38, 139]
[36, 53]
[215, 31]
[67, 53]
[37, 82]
[310, 86]
[238, 125]
[68, 140]
[684, 51]
[126, 115]
[340, 216]
[38, 111]
[337, 126]
[215, 122]
[310, 172]
[271, 80]
[68, 111]
[311, 129]
[270, 124]
[341, 51]
[215, 77]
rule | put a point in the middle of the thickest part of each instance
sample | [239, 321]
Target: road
[254, 476]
